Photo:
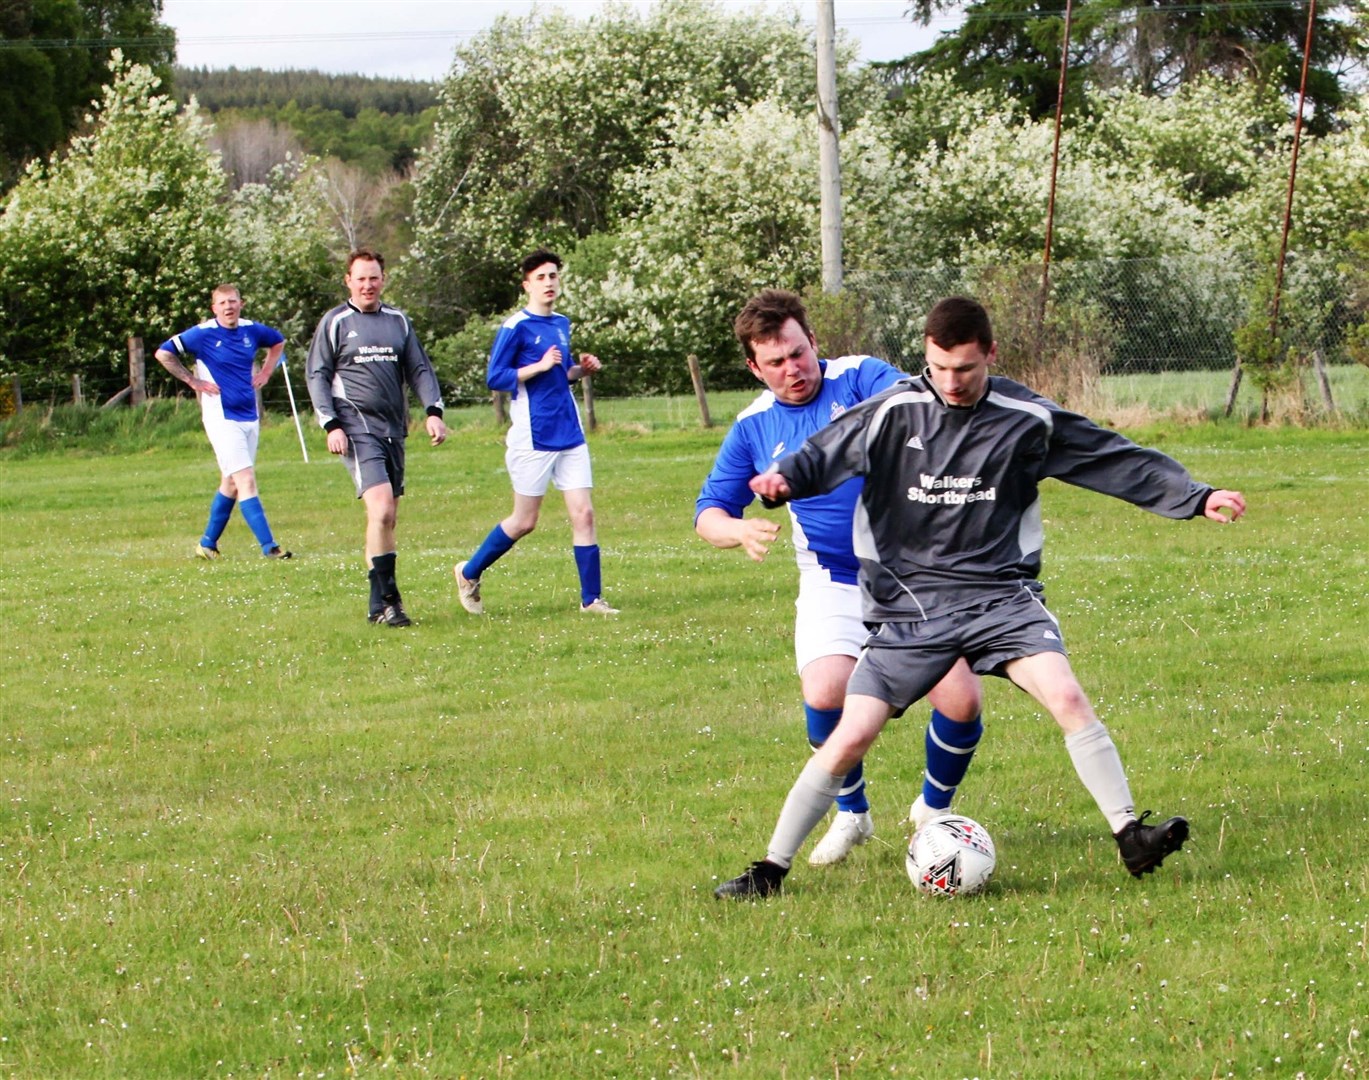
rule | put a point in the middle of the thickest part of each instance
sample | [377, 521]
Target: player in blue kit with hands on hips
[949, 536]
[223, 351]
[364, 359]
[531, 359]
[803, 395]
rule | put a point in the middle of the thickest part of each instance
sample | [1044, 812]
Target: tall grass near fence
[244, 833]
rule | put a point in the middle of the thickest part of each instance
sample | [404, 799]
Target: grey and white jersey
[359, 365]
[950, 514]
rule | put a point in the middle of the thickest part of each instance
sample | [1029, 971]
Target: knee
[517, 528]
[1070, 706]
[843, 751]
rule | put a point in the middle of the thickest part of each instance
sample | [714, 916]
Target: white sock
[807, 803]
[1099, 766]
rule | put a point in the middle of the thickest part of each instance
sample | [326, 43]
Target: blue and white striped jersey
[767, 430]
[225, 358]
[543, 408]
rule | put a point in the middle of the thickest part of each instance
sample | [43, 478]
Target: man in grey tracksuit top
[363, 360]
[948, 534]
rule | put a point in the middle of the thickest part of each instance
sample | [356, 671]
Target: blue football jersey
[767, 430]
[542, 410]
[227, 355]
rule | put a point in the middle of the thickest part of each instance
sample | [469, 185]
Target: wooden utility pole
[1287, 220]
[829, 158]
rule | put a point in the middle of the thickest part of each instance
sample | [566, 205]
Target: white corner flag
[293, 412]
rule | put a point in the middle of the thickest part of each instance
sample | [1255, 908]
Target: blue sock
[950, 747]
[488, 553]
[255, 516]
[591, 579]
[220, 510]
[821, 724]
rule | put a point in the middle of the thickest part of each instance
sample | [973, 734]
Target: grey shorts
[373, 461]
[902, 661]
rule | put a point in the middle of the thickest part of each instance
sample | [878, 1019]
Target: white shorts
[234, 443]
[532, 470]
[827, 619]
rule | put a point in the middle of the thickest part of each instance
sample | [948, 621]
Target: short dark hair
[540, 257]
[957, 320]
[366, 253]
[764, 317]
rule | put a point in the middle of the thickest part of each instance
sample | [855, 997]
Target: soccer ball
[951, 856]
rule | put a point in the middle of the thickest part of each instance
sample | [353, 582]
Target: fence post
[77, 398]
[18, 392]
[137, 372]
[1235, 386]
[587, 389]
[497, 399]
[1323, 380]
[697, 377]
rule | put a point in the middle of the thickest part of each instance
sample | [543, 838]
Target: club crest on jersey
[837, 409]
[916, 443]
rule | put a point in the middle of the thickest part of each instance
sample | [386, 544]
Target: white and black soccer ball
[951, 856]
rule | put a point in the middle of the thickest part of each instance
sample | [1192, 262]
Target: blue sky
[415, 38]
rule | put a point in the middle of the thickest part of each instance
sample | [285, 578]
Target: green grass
[1204, 393]
[244, 833]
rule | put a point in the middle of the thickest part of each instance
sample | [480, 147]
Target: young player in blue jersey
[949, 538]
[363, 361]
[223, 351]
[803, 395]
[532, 360]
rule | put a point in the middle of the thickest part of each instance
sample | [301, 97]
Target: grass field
[244, 833]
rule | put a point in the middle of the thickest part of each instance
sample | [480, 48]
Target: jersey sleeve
[267, 336]
[727, 485]
[419, 373]
[181, 345]
[831, 456]
[874, 376]
[318, 375]
[502, 372]
[1092, 457]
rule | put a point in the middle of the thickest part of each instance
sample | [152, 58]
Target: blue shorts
[902, 661]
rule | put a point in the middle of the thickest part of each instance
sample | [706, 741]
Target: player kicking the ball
[948, 533]
[803, 394]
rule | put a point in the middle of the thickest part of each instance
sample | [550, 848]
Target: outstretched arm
[772, 487]
[722, 530]
[1233, 502]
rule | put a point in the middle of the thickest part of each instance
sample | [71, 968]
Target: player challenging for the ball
[948, 533]
[802, 395]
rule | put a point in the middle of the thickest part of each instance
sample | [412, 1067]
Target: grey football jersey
[950, 514]
[358, 367]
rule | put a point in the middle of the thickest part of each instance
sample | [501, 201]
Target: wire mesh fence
[1126, 317]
